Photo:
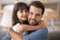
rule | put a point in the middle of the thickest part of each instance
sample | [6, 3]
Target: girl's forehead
[23, 10]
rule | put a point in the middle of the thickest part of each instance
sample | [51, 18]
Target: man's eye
[37, 14]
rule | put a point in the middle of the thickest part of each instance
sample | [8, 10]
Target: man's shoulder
[40, 34]
[43, 33]
[42, 30]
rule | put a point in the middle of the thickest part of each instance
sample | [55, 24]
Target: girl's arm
[14, 35]
[30, 28]
[24, 27]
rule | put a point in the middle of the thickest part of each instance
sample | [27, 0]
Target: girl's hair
[18, 6]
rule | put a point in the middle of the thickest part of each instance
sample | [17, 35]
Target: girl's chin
[24, 18]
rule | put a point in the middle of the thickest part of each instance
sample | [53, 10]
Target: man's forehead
[35, 9]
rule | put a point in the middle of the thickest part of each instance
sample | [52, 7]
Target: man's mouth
[33, 21]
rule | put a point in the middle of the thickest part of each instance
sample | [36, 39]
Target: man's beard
[35, 24]
[32, 30]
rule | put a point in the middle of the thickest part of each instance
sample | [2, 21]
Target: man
[36, 12]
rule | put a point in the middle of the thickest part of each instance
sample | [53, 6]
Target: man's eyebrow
[37, 14]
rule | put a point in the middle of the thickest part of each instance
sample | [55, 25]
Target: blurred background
[51, 16]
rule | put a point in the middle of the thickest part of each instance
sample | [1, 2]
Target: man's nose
[33, 17]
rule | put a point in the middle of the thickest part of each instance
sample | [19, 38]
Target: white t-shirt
[17, 25]
[14, 27]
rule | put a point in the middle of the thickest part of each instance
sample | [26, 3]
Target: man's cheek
[29, 17]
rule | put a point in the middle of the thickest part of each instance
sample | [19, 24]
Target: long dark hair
[18, 6]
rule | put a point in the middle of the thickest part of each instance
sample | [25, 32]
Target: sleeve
[15, 26]
[41, 34]
[6, 37]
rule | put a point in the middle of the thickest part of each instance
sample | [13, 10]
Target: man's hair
[18, 6]
[38, 4]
